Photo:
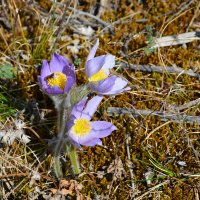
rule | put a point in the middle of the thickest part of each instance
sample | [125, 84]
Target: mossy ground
[166, 150]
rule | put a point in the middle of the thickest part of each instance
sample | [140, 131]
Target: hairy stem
[60, 120]
[64, 109]
[59, 145]
[74, 159]
[57, 164]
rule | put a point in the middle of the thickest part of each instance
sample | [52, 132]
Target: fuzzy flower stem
[57, 164]
[74, 159]
[60, 119]
[59, 145]
[63, 115]
[60, 142]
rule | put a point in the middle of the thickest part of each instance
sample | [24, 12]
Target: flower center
[57, 79]
[81, 127]
[100, 75]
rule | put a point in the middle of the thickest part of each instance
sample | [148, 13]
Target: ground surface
[154, 154]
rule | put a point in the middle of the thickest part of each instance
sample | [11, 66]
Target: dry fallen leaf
[116, 167]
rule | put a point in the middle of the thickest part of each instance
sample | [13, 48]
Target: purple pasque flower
[97, 70]
[57, 77]
[82, 131]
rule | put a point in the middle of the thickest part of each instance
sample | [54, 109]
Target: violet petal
[57, 63]
[93, 142]
[69, 71]
[70, 83]
[91, 107]
[45, 70]
[118, 87]
[109, 63]
[102, 128]
[70, 122]
[103, 86]
[93, 50]
[94, 65]
[53, 90]
[78, 108]
[81, 139]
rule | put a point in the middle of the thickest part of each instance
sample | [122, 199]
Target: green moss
[161, 151]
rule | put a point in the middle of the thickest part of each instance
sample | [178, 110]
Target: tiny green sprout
[6, 71]
[150, 41]
[77, 61]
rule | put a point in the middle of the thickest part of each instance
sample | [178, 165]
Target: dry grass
[152, 155]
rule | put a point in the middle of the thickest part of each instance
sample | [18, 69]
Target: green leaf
[77, 61]
[6, 71]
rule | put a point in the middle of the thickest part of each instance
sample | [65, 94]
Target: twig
[160, 69]
[13, 175]
[90, 15]
[177, 15]
[182, 7]
[196, 13]
[175, 39]
[76, 11]
[152, 189]
[119, 21]
[186, 105]
[178, 118]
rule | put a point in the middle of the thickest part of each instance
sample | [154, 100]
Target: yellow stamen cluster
[58, 79]
[100, 75]
[81, 127]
